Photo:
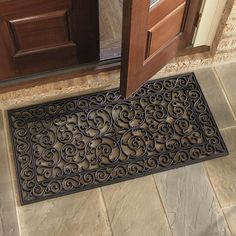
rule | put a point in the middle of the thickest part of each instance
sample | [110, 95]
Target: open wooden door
[154, 31]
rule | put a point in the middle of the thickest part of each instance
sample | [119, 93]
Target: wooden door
[40, 35]
[154, 31]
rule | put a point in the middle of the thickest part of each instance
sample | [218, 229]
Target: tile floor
[198, 200]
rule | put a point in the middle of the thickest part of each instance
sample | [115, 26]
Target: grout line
[227, 222]
[164, 209]
[229, 127]
[230, 206]
[104, 202]
[216, 197]
[10, 168]
[208, 176]
[224, 92]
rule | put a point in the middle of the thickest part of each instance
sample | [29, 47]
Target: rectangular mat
[98, 139]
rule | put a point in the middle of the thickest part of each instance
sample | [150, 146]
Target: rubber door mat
[93, 140]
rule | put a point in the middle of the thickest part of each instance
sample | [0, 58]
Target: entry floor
[198, 200]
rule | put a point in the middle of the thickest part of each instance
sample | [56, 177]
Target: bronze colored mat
[93, 140]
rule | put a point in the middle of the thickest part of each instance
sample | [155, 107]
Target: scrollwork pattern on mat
[88, 141]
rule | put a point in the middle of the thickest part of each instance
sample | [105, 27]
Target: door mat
[84, 142]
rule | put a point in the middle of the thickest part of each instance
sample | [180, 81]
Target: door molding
[211, 14]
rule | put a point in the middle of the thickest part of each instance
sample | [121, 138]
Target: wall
[223, 49]
[212, 11]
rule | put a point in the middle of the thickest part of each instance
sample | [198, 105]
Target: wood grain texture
[85, 29]
[134, 209]
[40, 31]
[8, 68]
[164, 31]
[164, 8]
[39, 35]
[190, 203]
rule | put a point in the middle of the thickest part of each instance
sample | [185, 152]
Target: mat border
[135, 176]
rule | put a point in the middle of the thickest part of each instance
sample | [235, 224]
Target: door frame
[210, 16]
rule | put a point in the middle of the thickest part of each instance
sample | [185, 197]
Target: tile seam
[105, 205]
[216, 197]
[224, 92]
[164, 209]
[13, 185]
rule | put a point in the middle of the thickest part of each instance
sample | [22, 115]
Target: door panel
[165, 30]
[40, 35]
[152, 36]
[161, 9]
[40, 31]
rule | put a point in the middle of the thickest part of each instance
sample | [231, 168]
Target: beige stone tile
[134, 208]
[8, 217]
[215, 98]
[222, 171]
[230, 215]
[190, 203]
[227, 75]
[81, 214]
[1, 227]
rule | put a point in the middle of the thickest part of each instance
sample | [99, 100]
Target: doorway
[110, 18]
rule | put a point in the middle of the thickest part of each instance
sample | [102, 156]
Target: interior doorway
[110, 15]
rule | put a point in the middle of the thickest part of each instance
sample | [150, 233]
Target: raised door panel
[41, 31]
[41, 35]
[160, 9]
[165, 30]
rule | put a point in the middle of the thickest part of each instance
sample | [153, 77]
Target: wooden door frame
[134, 41]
